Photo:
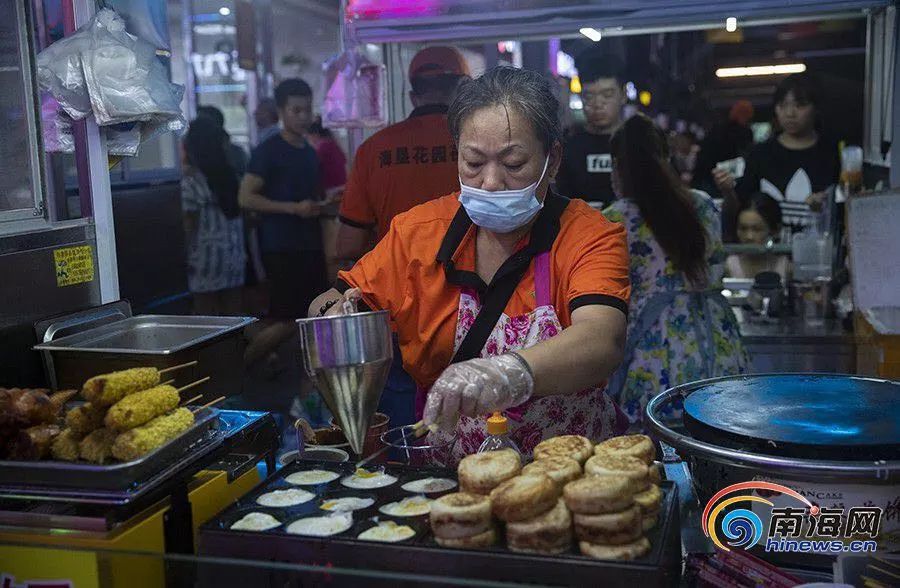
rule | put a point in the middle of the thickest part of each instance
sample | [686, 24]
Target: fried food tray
[54, 477]
[421, 555]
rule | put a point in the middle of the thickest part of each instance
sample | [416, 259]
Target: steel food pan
[58, 475]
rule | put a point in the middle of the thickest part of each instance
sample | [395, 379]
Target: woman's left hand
[478, 386]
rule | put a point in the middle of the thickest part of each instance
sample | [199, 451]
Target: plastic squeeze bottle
[498, 435]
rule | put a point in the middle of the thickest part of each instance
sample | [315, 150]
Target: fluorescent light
[760, 70]
[591, 33]
[224, 11]
[731, 24]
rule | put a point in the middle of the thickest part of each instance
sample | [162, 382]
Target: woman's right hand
[348, 300]
[724, 181]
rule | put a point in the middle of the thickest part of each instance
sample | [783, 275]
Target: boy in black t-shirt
[282, 184]
[587, 164]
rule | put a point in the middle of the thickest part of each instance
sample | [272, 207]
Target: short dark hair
[804, 86]
[595, 63]
[443, 84]
[524, 90]
[766, 206]
[212, 113]
[291, 87]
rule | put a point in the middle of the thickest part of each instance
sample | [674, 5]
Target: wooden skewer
[194, 399]
[167, 382]
[177, 367]
[210, 403]
[193, 384]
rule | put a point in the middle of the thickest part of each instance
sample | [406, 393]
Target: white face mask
[502, 211]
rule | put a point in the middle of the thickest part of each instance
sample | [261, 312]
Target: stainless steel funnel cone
[349, 357]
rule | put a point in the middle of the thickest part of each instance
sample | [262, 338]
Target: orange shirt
[419, 269]
[401, 166]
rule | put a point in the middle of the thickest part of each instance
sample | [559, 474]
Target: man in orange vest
[407, 163]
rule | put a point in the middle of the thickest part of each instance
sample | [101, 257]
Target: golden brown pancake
[479, 541]
[523, 497]
[550, 532]
[598, 495]
[561, 470]
[575, 446]
[639, 446]
[482, 472]
[649, 500]
[459, 515]
[619, 467]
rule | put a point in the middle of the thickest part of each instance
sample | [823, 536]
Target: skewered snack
[65, 446]
[85, 418]
[97, 446]
[23, 407]
[33, 442]
[141, 407]
[107, 389]
[144, 439]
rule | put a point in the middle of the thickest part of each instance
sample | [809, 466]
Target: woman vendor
[505, 295]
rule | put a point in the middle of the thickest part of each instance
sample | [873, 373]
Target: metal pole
[895, 89]
[93, 174]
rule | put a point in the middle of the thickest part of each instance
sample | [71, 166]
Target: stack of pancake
[617, 500]
[610, 492]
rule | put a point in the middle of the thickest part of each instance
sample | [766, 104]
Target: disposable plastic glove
[478, 386]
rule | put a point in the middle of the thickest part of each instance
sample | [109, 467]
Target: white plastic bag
[125, 80]
[60, 73]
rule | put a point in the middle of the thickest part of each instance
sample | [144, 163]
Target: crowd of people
[520, 191]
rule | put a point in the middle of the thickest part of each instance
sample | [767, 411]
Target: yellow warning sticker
[74, 265]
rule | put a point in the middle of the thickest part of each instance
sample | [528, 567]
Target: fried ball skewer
[97, 446]
[107, 389]
[144, 439]
[85, 418]
[141, 407]
[33, 442]
[65, 446]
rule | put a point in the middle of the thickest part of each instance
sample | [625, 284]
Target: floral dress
[215, 250]
[676, 334]
[589, 413]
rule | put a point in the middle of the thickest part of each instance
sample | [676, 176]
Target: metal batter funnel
[349, 357]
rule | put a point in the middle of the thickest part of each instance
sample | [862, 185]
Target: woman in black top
[795, 166]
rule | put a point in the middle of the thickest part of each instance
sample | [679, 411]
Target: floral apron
[589, 412]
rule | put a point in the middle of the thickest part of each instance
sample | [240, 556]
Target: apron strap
[542, 279]
[494, 303]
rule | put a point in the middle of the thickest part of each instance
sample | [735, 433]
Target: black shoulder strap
[495, 301]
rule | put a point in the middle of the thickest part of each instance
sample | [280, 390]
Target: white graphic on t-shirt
[793, 201]
[599, 163]
[798, 189]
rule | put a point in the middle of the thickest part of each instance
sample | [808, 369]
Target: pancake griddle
[799, 415]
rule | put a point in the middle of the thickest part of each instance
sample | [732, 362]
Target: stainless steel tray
[37, 477]
[149, 334]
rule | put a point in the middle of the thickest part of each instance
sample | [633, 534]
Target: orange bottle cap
[497, 424]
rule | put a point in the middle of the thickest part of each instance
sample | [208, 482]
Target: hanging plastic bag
[59, 71]
[125, 80]
[354, 91]
[56, 127]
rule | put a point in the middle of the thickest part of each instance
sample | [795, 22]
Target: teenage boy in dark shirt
[282, 185]
[587, 164]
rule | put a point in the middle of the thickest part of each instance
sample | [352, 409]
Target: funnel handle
[306, 365]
